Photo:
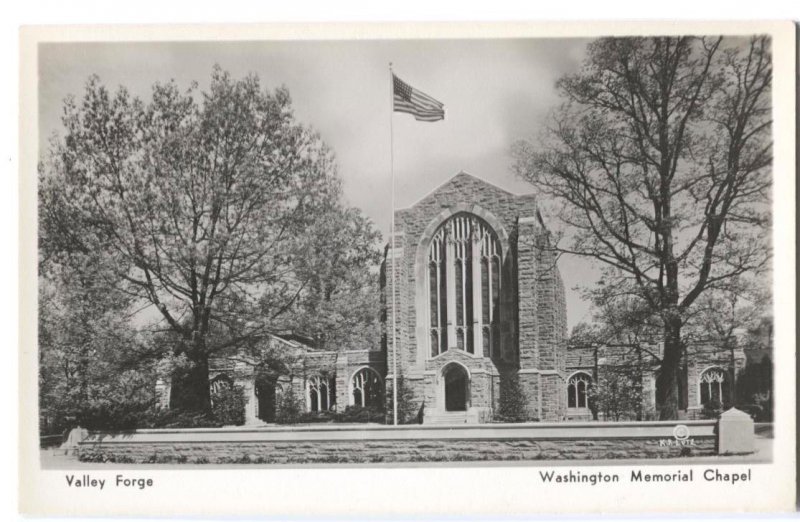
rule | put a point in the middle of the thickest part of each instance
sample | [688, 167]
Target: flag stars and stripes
[415, 102]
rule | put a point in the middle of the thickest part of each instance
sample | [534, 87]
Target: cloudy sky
[495, 92]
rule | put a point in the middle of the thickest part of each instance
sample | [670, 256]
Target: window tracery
[578, 390]
[464, 281]
[321, 393]
[367, 389]
[713, 385]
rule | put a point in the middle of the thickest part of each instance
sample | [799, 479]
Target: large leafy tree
[337, 259]
[195, 200]
[660, 162]
[628, 334]
[91, 359]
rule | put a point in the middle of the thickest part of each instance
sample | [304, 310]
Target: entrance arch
[455, 387]
[266, 399]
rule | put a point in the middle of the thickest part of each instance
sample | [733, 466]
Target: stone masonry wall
[702, 356]
[387, 451]
[528, 282]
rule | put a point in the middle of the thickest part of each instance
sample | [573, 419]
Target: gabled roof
[464, 175]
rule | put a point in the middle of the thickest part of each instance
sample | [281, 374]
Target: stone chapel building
[479, 300]
[479, 311]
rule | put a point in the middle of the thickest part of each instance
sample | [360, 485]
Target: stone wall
[527, 281]
[363, 451]
[702, 356]
[380, 444]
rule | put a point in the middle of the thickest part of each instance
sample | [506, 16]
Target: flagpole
[394, 307]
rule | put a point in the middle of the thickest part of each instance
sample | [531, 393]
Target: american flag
[413, 101]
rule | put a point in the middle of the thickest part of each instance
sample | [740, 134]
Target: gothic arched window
[219, 384]
[367, 388]
[713, 386]
[578, 390]
[464, 266]
[321, 393]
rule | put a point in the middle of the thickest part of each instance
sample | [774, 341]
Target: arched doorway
[265, 393]
[456, 388]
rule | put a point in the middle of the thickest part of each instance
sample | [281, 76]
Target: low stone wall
[387, 444]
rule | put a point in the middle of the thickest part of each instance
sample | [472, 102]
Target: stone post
[250, 400]
[342, 382]
[162, 393]
[736, 432]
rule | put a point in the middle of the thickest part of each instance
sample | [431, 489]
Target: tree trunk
[639, 383]
[190, 387]
[596, 376]
[83, 375]
[668, 378]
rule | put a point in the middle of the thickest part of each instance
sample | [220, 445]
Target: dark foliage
[408, 412]
[513, 404]
[754, 390]
[110, 417]
[289, 408]
[712, 409]
[227, 405]
[351, 414]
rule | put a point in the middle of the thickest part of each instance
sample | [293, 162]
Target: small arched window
[578, 390]
[321, 393]
[713, 386]
[367, 389]
[219, 383]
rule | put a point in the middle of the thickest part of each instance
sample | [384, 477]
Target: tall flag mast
[424, 108]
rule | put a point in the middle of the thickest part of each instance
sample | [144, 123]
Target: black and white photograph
[548, 255]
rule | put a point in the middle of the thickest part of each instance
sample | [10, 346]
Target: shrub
[352, 414]
[361, 414]
[408, 412]
[618, 395]
[712, 409]
[289, 407]
[764, 404]
[513, 404]
[228, 405]
[167, 418]
[114, 416]
[314, 417]
[111, 417]
[760, 409]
